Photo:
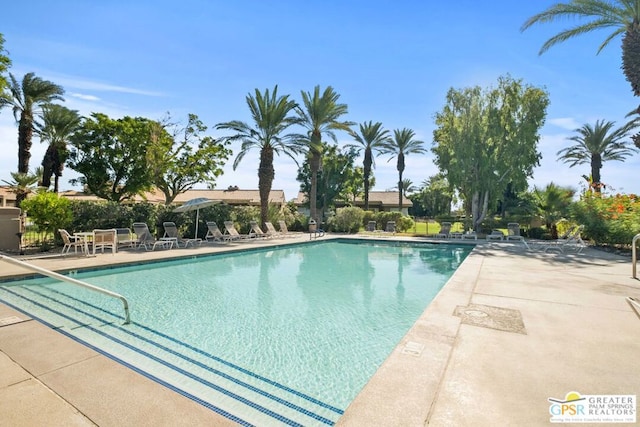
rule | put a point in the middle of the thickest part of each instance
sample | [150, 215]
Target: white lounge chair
[214, 233]
[390, 228]
[371, 227]
[256, 231]
[232, 233]
[573, 240]
[171, 232]
[513, 230]
[495, 235]
[271, 230]
[284, 231]
[445, 230]
[145, 239]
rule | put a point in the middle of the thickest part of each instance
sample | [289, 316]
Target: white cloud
[84, 97]
[568, 123]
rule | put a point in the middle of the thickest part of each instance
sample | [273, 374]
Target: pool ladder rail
[58, 276]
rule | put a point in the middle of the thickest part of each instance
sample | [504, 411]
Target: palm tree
[23, 184]
[408, 187]
[403, 143]
[25, 97]
[320, 116]
[271, 118]
[622, 15]
[552, 204]
[371, 139]
[596, 145]
[58, 123]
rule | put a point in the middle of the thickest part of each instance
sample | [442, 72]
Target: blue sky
[391, 61]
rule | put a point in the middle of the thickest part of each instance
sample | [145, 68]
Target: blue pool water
[283, 336]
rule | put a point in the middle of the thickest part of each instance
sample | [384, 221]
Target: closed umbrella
[196, 205]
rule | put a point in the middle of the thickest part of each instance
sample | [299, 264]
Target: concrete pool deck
[510, 329]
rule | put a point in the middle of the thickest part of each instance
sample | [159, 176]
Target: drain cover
[413, 348]
[487, 316]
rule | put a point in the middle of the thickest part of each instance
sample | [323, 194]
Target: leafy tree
[332, 180]
[372, 139]
[111, 155]
[58, 124]
[354, 183]
[48, 211]
[435, 197]
[25, 97]
[184, 157]
[320, 116]
[598, 144]
[402, 144]
[622, 15]
[486, 139]
[5, 63]
[270, 114]
[552, 204]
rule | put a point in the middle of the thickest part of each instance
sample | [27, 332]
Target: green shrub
[48, 212]
[608, 219]
[347, 220]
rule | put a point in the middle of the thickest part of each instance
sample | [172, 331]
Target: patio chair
[390, 228]
[213, 233]
[284, 231]
[271, 230]
[232, 233]
[256, 231]
[145, 239]
[513, 233]
[371, 227]
[495, 235]
[125, 238]
[70, 242]
[105, 239]
[171, 232]
[445, 231]
[573, 240]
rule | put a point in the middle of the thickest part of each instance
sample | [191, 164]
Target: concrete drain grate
[487, 316]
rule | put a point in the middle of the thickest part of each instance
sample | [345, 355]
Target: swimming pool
[287, 335]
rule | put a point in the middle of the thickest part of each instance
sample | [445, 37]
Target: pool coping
[417, 383]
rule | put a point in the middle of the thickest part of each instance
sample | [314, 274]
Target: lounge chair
[232, 233]
[256, 231]
[70, 241]
[271, 230]
[390, 228]
[371, 227]
[145, 239]
[513, 233]
[445, 230]
[284, 231]
[125, 238]
[469, 235]
[573, 240]
[171, 232]
[105, 239]
[214, 233]
[495, 235]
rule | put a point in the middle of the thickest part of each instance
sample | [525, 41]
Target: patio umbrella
[196, 205]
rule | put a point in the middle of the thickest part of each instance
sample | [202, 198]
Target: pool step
[213, 381]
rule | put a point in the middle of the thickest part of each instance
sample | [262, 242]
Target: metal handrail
[633, 254]
[59, 276]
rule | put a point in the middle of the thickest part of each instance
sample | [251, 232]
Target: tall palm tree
[270, 114]
[371, 139]
[622, 15]
[552, 204]
[58, 124]
[25, 97]
[598, 144]
[402, 144]
[320, 116]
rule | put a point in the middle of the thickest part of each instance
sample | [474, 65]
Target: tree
[354, 183]
[332, 180]
[58, 124]
[598, 144]
[552, 204]
[5, 63]
[371, 139]
[23, 184]
[270, 114]
[186, 159]
[435, 197]
[486, 139]
[622, 15]
[408, 187]
[25, 97]
[111, 155]
[320, 116]
[402, 144]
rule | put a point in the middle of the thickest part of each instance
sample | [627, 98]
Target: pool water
[284, 336]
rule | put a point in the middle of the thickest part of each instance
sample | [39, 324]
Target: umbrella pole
[197, 221]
